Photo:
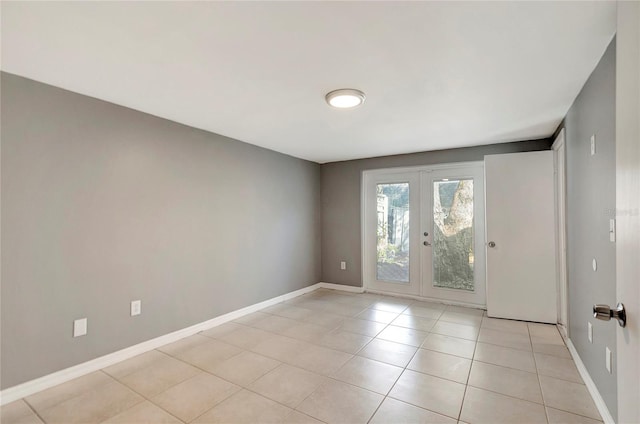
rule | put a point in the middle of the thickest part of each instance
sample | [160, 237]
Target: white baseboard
[427, 299]
[341, 287]
[30, 387]
[591, 386]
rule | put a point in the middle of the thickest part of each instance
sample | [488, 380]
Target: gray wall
[102, 205]
[590, 203]
[341, 201]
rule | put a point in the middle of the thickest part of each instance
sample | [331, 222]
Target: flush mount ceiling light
[345, 98]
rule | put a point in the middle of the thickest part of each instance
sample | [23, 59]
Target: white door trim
[560, 161]
[368, 176]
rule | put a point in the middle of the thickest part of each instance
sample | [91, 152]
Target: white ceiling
[436, 74]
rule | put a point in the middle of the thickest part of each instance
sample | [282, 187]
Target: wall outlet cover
[343, 265]
[594, 264]
[593, 144]
[608, 359]
[79, 327]
[136, 307]
[590, 332]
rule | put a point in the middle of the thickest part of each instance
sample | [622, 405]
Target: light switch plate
[79, 327]
[593, 144]
[343, 265]
[594, 264]
[612, 230]
[136, 307]
[590, 332]
[608, 359]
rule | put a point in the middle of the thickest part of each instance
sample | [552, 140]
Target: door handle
[605, 313]
[491, 244]
[426, 243]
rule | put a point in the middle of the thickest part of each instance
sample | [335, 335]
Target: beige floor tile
[320, 360]
[296, 417]
[195, 396]
[124, 368]
[18, 412]
[557, 367]
[506, 339]
[144, 413]
[376, 315]
[507, 381]
[245, 337]
[208, 355]
[289, 311]
[287, 384]
[245, 408]
[55, 395]
[280, 348]
[466, 311]
[403, 335]
[561, 417]
[362, 326]
[428, 392]
[425, 310]
[451, 345]
[547, 332]
[389, 352]
[387, 305]
[415, 322]
[245, 368]
[551, 349]
[252, 318]
[395, 411]
[456, 330]
[461, 318]
[275, 324]
[159, 376]
[482, 406]
[317, 305]
[183, 345]
[357, 299]
[94, 405]
[330, 321]
[337, 402]
[369, 374]
[306, 331]
[508, 325]
[343, 341]
[220, 330]
[568, 396]
[344, 309]
[441, 365]
[504, 356]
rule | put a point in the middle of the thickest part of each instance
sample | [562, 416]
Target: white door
[423, 232]
[391, 244]
[521, 248]
[453, 216]
[628, 209]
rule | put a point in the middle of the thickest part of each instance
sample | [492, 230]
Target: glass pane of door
[392, 232]
[453, 234]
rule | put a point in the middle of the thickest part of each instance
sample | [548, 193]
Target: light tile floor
[335, 357]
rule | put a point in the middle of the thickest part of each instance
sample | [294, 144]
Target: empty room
[330, 212]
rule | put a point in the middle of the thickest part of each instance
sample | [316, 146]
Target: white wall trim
[341, 287]
[30, 387]
[591, 386]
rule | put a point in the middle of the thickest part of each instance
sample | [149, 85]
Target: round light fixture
[345, 98]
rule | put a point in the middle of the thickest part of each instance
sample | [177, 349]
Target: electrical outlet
[593, 144]
[136, 307]
[343, 265]
[607, 359]
[79, 327]
[594, 264]
[590, 332]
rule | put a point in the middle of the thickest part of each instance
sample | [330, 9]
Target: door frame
[366, 178]
[560, 161]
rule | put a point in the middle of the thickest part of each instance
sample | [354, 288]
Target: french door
[423, 232]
